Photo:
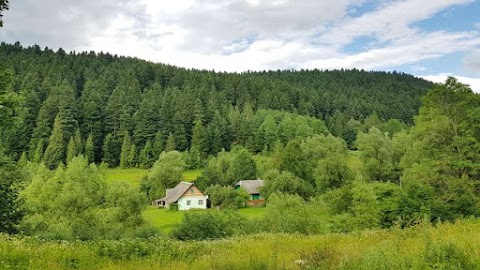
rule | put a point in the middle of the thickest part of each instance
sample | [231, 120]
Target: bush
[208, 225]
[291, 214]
[226, 197]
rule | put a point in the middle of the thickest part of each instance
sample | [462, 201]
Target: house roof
[251, 186]
[173, 194]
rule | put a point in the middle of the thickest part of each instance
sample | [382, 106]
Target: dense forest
[101, 104]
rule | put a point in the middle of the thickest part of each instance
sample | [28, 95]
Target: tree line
[123, 111]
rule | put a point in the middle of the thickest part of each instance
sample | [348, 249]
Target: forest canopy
[71, 99]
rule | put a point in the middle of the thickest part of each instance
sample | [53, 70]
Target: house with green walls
[253, 188]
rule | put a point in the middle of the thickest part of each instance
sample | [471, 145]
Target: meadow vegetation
[443, 246]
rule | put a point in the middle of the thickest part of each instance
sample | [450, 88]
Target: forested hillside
[106, 106]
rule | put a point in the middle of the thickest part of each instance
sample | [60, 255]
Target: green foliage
[242, 166]
[291, 214]
[146, 157]
[216, 172]
[200, 139]
[11, 210]
[110, 151]
[446, 246]
[365, 205]
[74, 147]
[125, 152]
[9, 101]
[377, 155]
[333, 172]
[171, 144]
[286, 182]
[165, 173]
[3, 6]
[102, 94]
[55, 152]
[90, 149]
[441, 163]
[213, 224]
[292, 159]
[226, 197]
[69, 204]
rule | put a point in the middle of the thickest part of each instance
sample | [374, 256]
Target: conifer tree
[132, 156]
[171, 144]
[200, 139]
[110, 151]
[125, 153]
[90, 149]
[146, 155]
[78, 142]
[71, 150]
[39, 150]
[158, 145]
[55, 152]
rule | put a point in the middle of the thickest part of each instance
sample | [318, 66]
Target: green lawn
[134, 175]
[191, 175]
[166, 220]
[163, 219]
[354, 162]
[253, 212]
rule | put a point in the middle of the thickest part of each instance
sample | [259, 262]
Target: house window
[192, 190]
[189, 202]
[200, 202]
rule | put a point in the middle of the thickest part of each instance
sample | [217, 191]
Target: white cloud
[423, 46]
[238, 35]
[441, 78]
[391, 22]
[471, 61]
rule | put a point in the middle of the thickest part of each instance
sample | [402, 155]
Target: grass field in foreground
[166, 220]
[445, 246]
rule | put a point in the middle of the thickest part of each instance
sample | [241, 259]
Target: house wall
[194, 202]
[192, 192]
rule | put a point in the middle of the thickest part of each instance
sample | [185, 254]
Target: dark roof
[251, 186]
[173, 194]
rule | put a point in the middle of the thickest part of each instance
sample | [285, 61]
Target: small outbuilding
[252, 187]
[186, 195]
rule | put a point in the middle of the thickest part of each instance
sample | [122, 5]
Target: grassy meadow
[135, 175]
[446, 246]
[166, 221]
[354, 162]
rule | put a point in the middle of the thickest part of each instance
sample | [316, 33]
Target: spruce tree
[90, 149]
[171, 145]
[158, 145]
[110, 151]
[71, 150]
[146, 155]
[55, 152]
[200, 139]
[125, 153]
[39, 150]
[132, 156]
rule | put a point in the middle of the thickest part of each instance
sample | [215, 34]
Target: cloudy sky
[428, 38]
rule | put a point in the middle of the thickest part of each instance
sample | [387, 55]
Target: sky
[432, 39]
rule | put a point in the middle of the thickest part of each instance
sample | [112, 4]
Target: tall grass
[446, 246]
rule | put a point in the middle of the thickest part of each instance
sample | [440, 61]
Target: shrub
[208, 225]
